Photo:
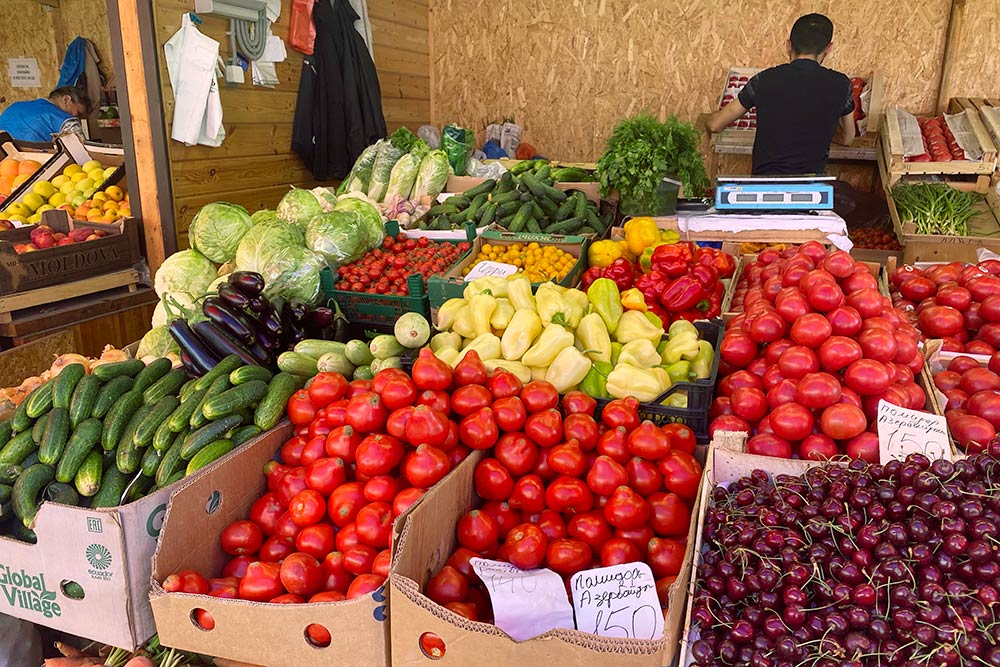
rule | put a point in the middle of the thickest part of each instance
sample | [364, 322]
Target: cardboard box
[107, 552]
[271, 635]
[64, 264]
[425, 543]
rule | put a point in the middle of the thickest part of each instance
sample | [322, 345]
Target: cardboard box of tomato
[271, 635]
[422, 630]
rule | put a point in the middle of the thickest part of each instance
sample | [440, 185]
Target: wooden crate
[990, 119]
[41, 153]
[62, 265]
[893, 167]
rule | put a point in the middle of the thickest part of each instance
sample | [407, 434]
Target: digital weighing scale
[773, 193]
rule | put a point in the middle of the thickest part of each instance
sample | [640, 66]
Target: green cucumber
[20, 421]
[206, 434]
[209, 453]
[224, 367]
[113, 485]
[110, 393]
[187, 389]
[27, 491]
[171, 461]
[6, 431]
[244, 433]
[150, 462]
[58, 492]
[489, 214]
[39, 401]
[151, 373]
[82, 402]
[55, 436]
[176, 477]
[178, 421]
[521, 217]
[65, 383]
[6, 490]
[119, 416]
[18, 448]
[233, 400]
[198, 418]
[137, 489]
[9, 472]
[39, 428]
[107, 372]
[168, 385]
[88, 477]
[580, 209]
[128, 454]
[159, 413]
[248, 373]
[80, 445]
[163, 436]
[272, 406]
[485, 187]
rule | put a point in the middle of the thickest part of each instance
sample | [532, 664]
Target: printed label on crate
[902, 432]
[490, 268]
[526, 603]
[618, 601]
[28, 590]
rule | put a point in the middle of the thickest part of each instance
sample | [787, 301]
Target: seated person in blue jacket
[38, 120]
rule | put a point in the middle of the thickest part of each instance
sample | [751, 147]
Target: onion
[111, 353]
[64, 360]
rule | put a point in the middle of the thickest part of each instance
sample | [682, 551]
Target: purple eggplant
[271, 322]
[319, 318]
[259, 304]
[231, 320]
[248, 282]
[297, 311]
[203, 358]
[233, 297]
[189, 365]
[266, 340]
[223, 344]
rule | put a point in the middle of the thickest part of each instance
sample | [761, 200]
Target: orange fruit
[28, 167]
[6, 185]
[81, 212]
[8, 167]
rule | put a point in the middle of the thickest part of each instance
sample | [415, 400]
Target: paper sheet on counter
[826, 222]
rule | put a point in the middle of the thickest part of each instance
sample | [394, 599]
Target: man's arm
[720, 120]
[846, 130]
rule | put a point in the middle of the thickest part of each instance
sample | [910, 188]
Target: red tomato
[737, 349]
[817, 447]
[767, 327]
[577, 402]
[867, 301]
[241, 538]
[470, 370]
[622, 412]
[606, 475]
[439, 400]
[681, 474]
[817, 390]
[325, 475]
[291, 483]
[649, 441]
[526, 546]
[398, 392]
[381, 488]
[669, 515]
[265, 512]
[373, 524]
[460, 560]
[300, 408]
[569, 495]
[954, 296]
[528, 494]
[336, 413]
[477, 531]
[186, 581]
[568, 556]
[301, 574]
[237, 567]
[681, 437]
[551, 523]
[824, 296]
[539, 395]
[749, 403]
[644, 476]
[479, 430]
[868, 377]
[878, 344]
[307, 507]
[425, 466]
[626, 509]
[590, 528]
[510, 413]
[545, 427]
[359, 559]
[842, 421]
[517, 453]
[797, 361]
[613, 443]
[811, 330]
[791, 421]
[326, 388]
[503, 383]
[314, 450]
[364, 585]
[618, 551]
[838, 352]
[379, 455]
[384, 376]
[261, 583]
[429, 372]
[426, 426]
[567, 459]
[470, 398]
[342, 442]
[345, 502]
[505, 516]
[779, 394]
[917, 289]
[366, 412]
[971, 432]
[448, 585]
[492, 481]
[316, 540]
[405, 499]
[844, 321]
[276, 548]
[665, 557]
[357, 387]
[863, 446]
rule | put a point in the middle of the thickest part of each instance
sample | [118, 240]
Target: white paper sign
[23, 73]
[526, 603]
[618, 601]
[902, 432]
[489, 268]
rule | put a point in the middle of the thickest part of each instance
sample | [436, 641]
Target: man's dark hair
[811, 34]
[78, 95]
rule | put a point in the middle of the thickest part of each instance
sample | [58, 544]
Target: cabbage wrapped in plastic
[298, 207]
[157, 343]
[432, 175]
[341, 237]
[386, 158]
[404, 173]
[361, 172]
[264, 215]
[327, 198]
[371, 218]
[184, 271]
[217, 228]
[293, 273]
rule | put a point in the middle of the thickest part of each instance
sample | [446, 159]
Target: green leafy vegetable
[935, 208]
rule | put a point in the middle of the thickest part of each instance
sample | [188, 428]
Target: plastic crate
[699, 392]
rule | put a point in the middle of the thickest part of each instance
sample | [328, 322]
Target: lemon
[84, 184]
[34, 219]
[59, 181]
[58, 199]
[45, 207]
[91, 165]
[44, 189]
[71, 170]
[67, 188]
[32, 201]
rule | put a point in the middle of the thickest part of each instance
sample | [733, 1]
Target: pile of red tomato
[939, 142]
[385, 270]
[567, 492]
[956, 302]
[972, 400]
[814, 350]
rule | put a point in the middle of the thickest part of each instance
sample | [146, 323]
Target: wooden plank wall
[255, 165]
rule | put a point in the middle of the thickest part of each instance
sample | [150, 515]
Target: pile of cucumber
[127, 429]
[355, 359]
[523, 201]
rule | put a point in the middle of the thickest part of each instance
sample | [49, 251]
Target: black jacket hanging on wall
[338, 112]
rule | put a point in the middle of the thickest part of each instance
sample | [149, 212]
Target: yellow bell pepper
[553, 340]
[551, 300]
[627, 380]
[447, 313]
[641, 353]
[602, 253]
[522, 372]
[519, 292]
[448, 355]
[521, 332]
[538, 373]
[592, 338]
[486, 345]
[640, 233]
[633, 299]
[463, 324]
[669, 236]
[646, 258]
[634, 325]
[446, 339]
[681, 346]
[502, 315]
[494, 285]
[626, 253]
[568, 369]
[482, 306]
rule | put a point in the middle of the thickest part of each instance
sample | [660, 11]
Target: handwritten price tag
[487, 268]
[526, 603]
[902, 432]
[617, 601]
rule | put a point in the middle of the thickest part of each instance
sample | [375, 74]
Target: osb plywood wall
[89, 18]
[567, 70]
[28, 32]
[976, 69]
[255, 165]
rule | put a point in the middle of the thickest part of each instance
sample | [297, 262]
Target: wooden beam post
[952, 39]
[135, 62]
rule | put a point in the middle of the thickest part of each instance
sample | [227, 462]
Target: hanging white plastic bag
[193, 66]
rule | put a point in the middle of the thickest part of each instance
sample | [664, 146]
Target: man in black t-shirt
[801, 106]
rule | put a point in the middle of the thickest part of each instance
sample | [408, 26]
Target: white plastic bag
[431, 136]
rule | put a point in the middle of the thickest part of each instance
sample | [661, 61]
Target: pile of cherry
[850, 566]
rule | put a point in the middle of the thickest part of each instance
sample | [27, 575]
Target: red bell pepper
[714, 308]
[589, 276]
[683, 293]
[652, 285]
[691, 315]
[671, 259]
[723, 262]
[621, 272]
[706, 276]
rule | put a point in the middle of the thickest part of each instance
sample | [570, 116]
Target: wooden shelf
[71, 312]
[740, 142]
